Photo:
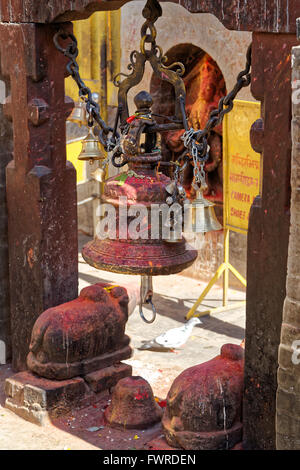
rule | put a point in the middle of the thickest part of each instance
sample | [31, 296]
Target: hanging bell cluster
[91, 150]
[142, 184]
[200, 216]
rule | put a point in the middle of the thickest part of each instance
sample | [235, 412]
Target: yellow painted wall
[73, 150]
[99, 55]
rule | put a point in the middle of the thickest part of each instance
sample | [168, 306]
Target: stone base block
[215, 440]
[38, 400]
[62, 371]
[105, 379]
[160, 443]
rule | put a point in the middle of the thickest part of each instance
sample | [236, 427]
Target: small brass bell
[79, 115]
[99, 174]
[200, 216]
[90, 148]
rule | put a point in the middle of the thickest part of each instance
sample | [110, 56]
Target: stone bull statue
[81, 336]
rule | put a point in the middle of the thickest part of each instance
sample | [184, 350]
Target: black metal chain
[198, 140]
[195, 141]
[92, 107]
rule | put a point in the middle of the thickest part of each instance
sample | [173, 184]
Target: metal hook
[146, 292]
[149, 301]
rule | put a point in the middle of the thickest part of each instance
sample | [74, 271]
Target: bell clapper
[146, 293]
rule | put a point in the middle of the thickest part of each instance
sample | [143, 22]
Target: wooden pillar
[288, 393]
[6, 149]
[267, 236]
[41, 185]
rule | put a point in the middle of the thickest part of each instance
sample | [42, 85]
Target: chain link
[92, 107]
[195, 141]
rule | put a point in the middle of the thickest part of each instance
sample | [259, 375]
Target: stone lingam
[133, 405]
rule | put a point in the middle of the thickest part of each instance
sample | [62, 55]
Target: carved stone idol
[204, 404]
[133, 405]
[81, 336]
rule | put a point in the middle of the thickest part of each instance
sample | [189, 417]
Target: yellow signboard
[242, 166]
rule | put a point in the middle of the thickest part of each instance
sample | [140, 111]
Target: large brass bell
[141, 186]
[200, 216]
[90, 148]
